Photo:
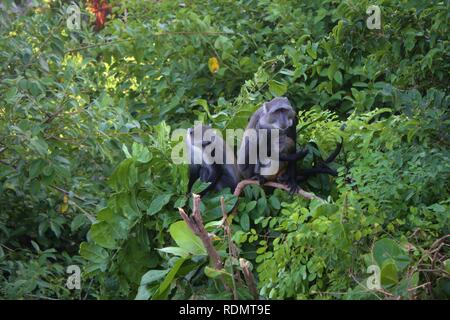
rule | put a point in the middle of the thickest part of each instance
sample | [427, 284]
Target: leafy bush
[86, 176]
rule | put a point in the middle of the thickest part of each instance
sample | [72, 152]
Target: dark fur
[220, 176]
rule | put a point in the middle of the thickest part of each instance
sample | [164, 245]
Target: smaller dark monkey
[210, 160]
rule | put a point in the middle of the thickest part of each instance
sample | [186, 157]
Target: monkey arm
[210, 173]
[245, 169]
[194, 174]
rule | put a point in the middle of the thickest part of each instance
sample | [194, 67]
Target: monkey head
[200, 136]
[202, 142]
[277, 114]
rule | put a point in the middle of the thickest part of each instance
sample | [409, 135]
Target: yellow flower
[213, 65]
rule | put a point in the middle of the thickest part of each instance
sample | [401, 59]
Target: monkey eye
[206, 143]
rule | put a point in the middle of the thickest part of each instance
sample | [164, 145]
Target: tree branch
[195, 223]
[241, 185]
[245, 265]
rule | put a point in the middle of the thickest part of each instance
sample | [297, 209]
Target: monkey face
[278, 114]
[202, 142]
[199, 136]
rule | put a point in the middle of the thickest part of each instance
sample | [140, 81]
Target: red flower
[101, 9]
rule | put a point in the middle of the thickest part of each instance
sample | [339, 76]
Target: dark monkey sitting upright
[277, 115]
[210, 159]
[276, 118]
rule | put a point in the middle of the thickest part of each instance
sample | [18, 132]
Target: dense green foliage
[86, 175]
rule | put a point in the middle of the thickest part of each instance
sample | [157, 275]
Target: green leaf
[43, 63]
[78, 222]
[276, 88]
[214, 273]
[36, 167]
[250, 206]
[158, 203]
[102, 234]
[125, 150]
[94, 254]
[245, 222]
[153, 276]
[39, 146]
[168, 280]
[176, 251]
[447, 265]
[338, 77]
[186, 239]
[385, 249]
[144, 293]
[389, 272]
[199, 186]
[180, 202]
[274, 202]
[141, 153]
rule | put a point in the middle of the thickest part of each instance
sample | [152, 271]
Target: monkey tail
[335, 153]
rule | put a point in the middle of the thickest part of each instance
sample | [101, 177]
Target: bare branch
[245, 265]
[195, 223]
[241, 185]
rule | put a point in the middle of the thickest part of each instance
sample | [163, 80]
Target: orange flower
[101, 9]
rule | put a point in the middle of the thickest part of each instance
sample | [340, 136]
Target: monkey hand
[290, 181]
[261, 179]
[293, 186]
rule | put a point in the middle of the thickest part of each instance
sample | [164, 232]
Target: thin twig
[232, 250]
[87, 214]
[245, 265]
[68, 192]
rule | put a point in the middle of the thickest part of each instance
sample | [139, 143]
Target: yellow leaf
[213, 64]
[64, 208]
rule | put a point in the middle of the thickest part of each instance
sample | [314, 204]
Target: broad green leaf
[447, 265]
[214, 273]
[158, 203]
[199, 186]
[168, 279]
[141, 153]
[338, 77]
[176, 251]
[94, 254]
[102, 234]
[274, 202]
[385, 249]
[277, 88]
[39, 145]
[153, 276]
[186, 239]
[36, 168]
[245, 221]
[389, 272]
